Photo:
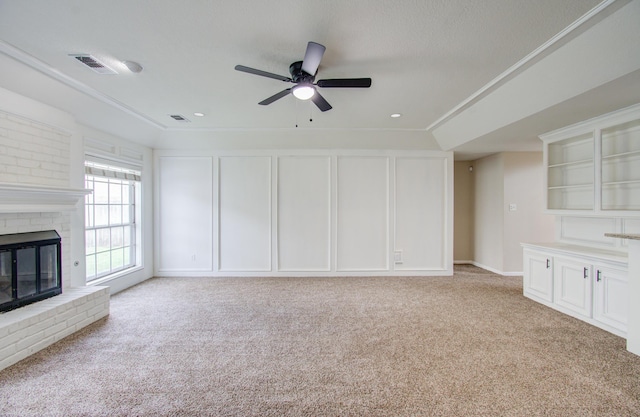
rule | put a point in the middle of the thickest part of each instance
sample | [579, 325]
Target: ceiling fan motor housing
[298, 75]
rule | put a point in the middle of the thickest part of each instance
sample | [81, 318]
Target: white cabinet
[586, 283]
[611, 298]
[538, 278]
[572, 285]
[593, 167]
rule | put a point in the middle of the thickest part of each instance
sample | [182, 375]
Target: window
[111, 229]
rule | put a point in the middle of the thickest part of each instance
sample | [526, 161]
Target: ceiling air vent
[93, 63]
[179, 118]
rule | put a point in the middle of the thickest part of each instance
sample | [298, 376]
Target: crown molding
[546, 48]
[40, 66]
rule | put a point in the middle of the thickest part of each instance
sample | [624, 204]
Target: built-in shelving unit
[621, 167]
[593, 167]
[570, 182]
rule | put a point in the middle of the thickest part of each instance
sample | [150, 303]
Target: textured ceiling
[425, 57]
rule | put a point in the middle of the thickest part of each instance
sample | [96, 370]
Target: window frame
[129, 182]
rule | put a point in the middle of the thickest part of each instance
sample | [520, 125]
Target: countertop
[631, 236]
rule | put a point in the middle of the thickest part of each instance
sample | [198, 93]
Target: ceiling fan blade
[345, 83]
[319, 101]
[261, 73]
[312, 58]
[275, 97]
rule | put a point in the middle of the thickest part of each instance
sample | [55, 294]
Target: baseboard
[495, 271]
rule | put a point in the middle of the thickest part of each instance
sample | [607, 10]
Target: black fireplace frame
[14, 242]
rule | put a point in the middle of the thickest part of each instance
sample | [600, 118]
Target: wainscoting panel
[363, 214]
[245, 213]
[304, 213]
[186, 213]
[419, 225]
[588, 231]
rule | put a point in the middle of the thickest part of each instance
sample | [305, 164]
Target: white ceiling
[424, 57]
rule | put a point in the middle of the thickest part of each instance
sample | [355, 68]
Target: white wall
[488, 214]
[363, 214]
[244, 192]
[304, 213]
[502, 180]
[523, 187]
[422, 230]
[463, 191]
[187, 201]
[297, 212]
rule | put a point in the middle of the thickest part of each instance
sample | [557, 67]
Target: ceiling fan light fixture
[303, 91]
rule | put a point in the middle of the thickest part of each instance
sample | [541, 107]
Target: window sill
[117, 275]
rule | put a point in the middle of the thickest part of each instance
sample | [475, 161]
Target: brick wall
[36, 154]
[33, 153]
[29, 329]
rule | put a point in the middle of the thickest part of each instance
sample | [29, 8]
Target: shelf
[622, 155]
[572, 163]
[569, 187]
[23, 198]
[604, 184]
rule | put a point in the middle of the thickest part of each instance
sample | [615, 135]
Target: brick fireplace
[35, 196]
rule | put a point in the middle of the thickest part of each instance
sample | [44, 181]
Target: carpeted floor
[467, 345]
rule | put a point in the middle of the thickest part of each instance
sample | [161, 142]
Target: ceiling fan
[303, 74]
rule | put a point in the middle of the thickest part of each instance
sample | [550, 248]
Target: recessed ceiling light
[396, 115]
[198, 114]
[133, 66]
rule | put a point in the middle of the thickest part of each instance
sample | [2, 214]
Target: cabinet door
[538, 278]
[572, 285]
[611, 297]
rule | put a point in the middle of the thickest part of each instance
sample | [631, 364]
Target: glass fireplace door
[26, 271]
[48, 267]
[30, 268]
[5, 276]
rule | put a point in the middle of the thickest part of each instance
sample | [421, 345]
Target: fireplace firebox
[30, 268]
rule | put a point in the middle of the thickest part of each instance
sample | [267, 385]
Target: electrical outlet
[513, 207]
[193, 257]
[397, 256]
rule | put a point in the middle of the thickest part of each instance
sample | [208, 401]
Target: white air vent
[93, 63]
[179, 118]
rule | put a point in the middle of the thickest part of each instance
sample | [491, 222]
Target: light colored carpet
[468, 345]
